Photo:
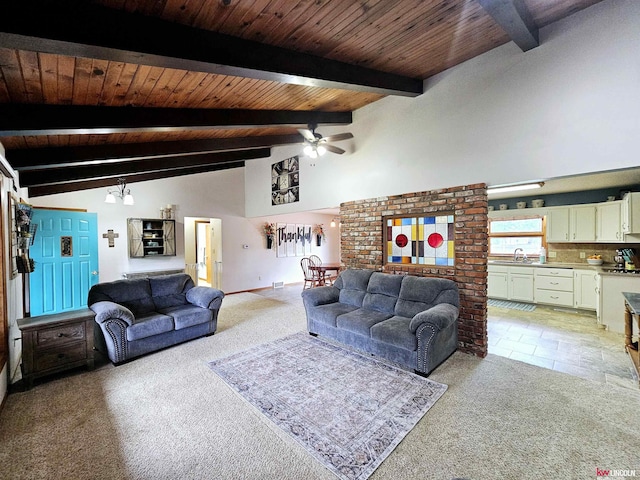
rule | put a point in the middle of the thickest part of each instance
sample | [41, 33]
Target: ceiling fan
[317, 145]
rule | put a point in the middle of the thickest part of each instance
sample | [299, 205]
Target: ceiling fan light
[321, 150]
[308, 150]
[109, 198]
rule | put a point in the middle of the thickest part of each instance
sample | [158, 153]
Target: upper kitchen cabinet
[571, 224]
[630, 213]
[609, 225]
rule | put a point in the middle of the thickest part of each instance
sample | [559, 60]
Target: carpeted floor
[163, 416]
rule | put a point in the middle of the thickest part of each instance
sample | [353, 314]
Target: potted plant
[318, 230]
[269, 230]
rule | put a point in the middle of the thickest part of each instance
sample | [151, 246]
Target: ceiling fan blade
[338, 137]
[307, 134]
[334, 149]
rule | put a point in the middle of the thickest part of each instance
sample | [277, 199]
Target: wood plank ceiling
[144, 89]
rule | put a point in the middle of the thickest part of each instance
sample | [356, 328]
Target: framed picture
[285, 181]
[419, 240]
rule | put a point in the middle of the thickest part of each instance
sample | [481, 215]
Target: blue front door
[65, 250]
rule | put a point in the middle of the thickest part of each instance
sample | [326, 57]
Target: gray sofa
[142, 315]
[411, 321]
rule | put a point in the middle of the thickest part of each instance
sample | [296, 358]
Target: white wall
[216, 194]
[569, 106]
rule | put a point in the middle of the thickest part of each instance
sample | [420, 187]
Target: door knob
[95, 272]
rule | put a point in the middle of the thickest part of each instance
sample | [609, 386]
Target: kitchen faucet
[515, 254]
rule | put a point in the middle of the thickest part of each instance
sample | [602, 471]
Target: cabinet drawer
[554, 297]
[554, 272]
[57, 357]
[555, 283]
[61, 335]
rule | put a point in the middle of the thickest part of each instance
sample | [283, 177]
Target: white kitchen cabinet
[510, 283]
[630, 213]
[554, 286]
[611, 312]
[608, 222]
[582, 226]
[571, 224]
[497, 282]
[558, 224]
[585, 289]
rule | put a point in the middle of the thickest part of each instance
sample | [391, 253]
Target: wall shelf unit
[151, 237]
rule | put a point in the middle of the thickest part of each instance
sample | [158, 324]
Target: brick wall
[361, 247]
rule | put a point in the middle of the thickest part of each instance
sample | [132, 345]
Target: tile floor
[558, 339]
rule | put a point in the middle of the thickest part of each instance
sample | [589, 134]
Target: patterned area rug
[527, 307]
[348, 410]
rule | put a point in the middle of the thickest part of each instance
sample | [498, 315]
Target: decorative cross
[110, 235]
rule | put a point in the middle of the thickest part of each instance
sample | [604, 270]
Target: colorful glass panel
[427, 240]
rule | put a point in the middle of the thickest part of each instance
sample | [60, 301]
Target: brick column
[361, 247]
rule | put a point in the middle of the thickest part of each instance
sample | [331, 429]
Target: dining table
[323, 269]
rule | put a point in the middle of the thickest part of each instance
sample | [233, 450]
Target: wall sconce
[121, 191]
[334, 222]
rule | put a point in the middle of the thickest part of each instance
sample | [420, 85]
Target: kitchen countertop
[633, 299]
[601, 269]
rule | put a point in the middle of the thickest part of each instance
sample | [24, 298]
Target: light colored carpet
[348, 410]
[163, 416]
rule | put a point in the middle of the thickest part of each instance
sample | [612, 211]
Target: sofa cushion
[170, 290]
[185, 316]
[360, 321]
[395, 331]
[382, 292]
[353, 286]
[148, 325]
[421, 293]
[134, 294]
[329, 312]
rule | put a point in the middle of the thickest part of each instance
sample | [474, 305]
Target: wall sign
[293, 240]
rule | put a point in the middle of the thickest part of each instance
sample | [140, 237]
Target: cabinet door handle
[61, 355]
[60, 335]
[554, 283]
[555, 298]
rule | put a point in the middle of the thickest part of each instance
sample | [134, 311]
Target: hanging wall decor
[424, 240]
[293, 240]
[285, 181]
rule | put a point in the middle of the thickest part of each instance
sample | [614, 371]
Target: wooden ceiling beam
[40, 191]
[56, 157]
[31, 178]
[34, 120]
[515, 19]
[82, 29]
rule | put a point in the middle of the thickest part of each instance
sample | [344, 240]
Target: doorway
[203, 250]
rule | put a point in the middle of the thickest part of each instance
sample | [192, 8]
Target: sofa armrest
[105, 310]
[440, 316]
[205, 297]
[320, 296]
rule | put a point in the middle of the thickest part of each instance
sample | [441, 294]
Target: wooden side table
[57, 342]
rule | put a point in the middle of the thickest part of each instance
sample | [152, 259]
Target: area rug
[349, 411]
[527, 307]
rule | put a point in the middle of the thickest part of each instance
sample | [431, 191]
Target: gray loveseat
[412, 321]
[142, 315]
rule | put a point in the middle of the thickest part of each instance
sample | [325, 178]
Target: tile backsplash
[570, 252]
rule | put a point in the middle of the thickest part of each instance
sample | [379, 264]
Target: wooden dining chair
[325, 277]
[311, 277]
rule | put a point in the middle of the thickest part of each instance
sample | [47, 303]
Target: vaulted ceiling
[146, 89]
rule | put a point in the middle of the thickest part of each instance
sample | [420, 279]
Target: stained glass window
[424, 240]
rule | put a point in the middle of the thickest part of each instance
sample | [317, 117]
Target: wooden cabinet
[585, 289]
[609, 224]
[554, 286]
[151, 237]
[57, 342]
